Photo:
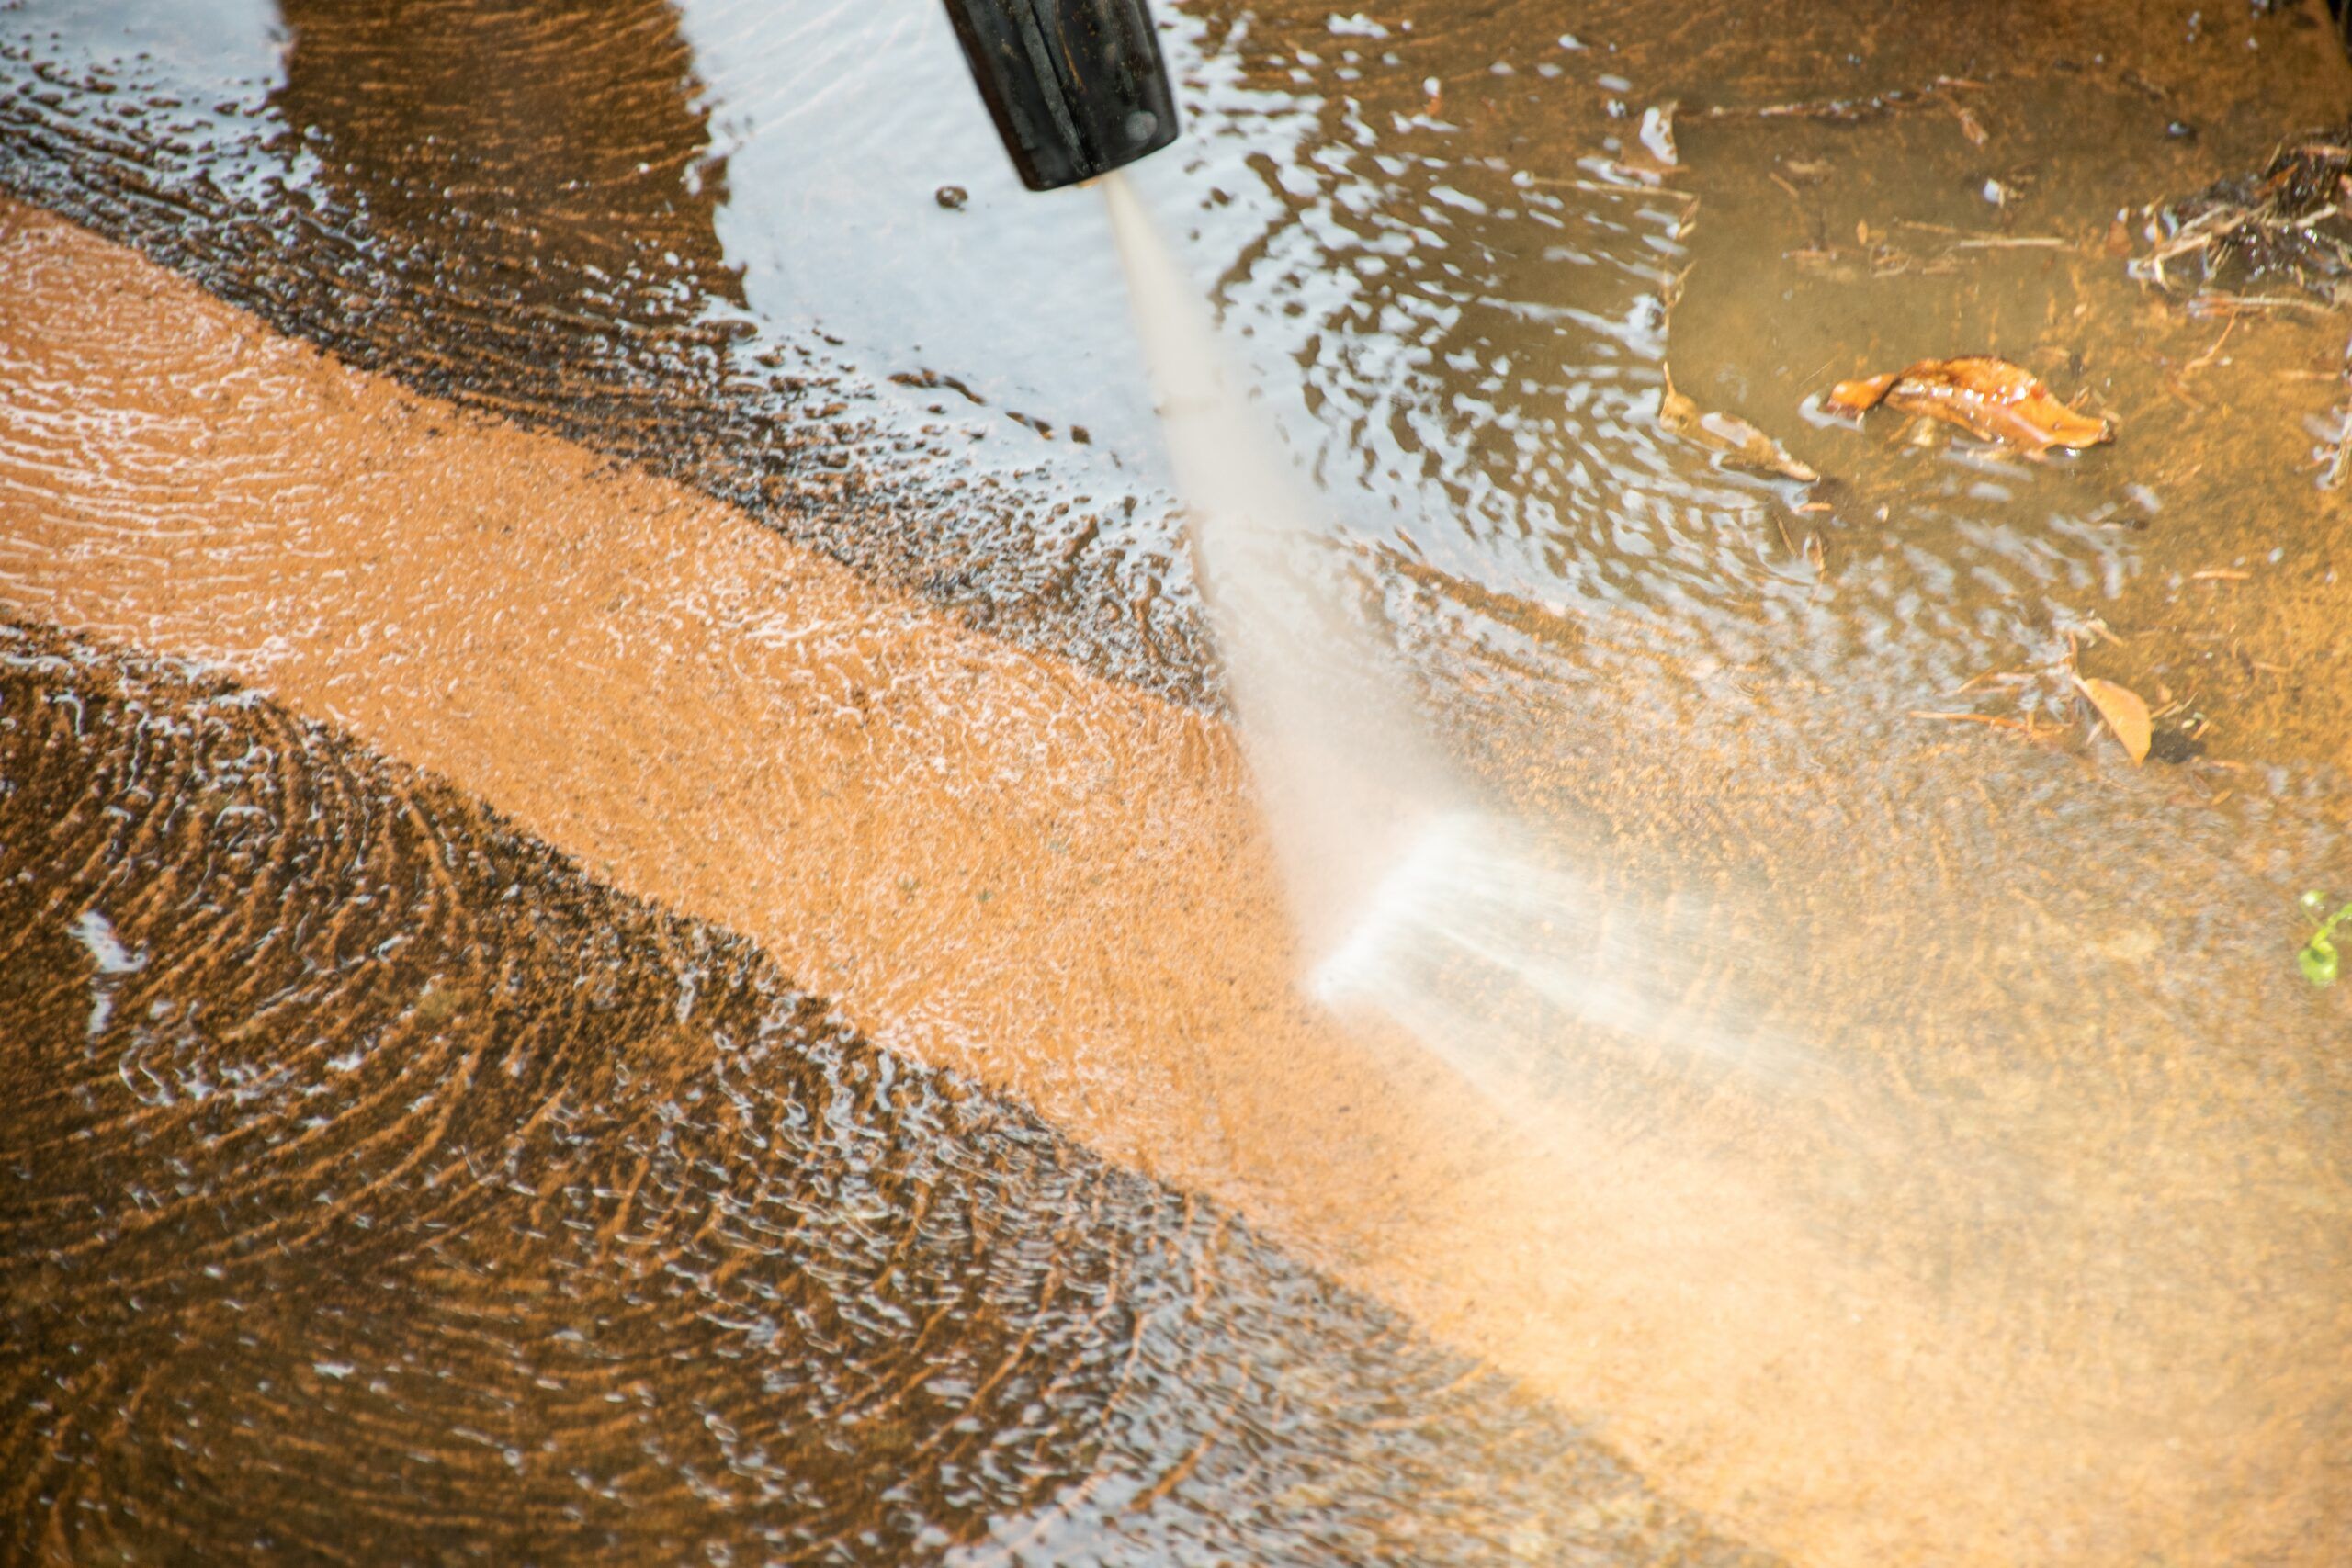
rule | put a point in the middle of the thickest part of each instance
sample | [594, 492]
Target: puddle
[708, 238]
[2014, 1227]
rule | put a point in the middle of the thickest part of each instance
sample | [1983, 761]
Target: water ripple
[409, 1193]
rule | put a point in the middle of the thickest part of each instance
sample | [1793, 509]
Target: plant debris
[2046, 686]
[2125, 713]
[1850, 110]
[2319, 960]
[1989, 398]
[2291, 224]
[1741, 444]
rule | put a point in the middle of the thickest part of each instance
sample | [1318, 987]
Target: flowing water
[1411, 893]
[643, 918]
[1343, 769]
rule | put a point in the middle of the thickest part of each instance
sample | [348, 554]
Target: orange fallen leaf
[2125, 713]
[1987, 397]
[1861, 397]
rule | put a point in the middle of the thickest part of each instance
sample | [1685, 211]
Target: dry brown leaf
[1987, 397]
[1742, 444]
[2125, 713]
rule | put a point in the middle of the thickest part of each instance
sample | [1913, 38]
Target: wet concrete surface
[381, 1189]
[2076, 1302]
[2050, 1267]
[517, 208]
[986, 844]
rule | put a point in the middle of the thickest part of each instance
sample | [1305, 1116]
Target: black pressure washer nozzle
[1077, 87]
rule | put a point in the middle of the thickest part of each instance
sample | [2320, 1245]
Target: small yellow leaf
[2125, 714]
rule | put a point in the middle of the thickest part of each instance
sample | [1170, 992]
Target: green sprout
[2318, 959]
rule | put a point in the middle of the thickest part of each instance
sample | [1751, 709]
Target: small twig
[1852, 108]
[2206, 358]
[1995, 721]
[2235, 305]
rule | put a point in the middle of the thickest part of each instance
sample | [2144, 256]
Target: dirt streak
[1002, 866]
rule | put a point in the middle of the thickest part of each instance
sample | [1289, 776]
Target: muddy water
[380, 1189]
[2048, 1264]
[705, 236]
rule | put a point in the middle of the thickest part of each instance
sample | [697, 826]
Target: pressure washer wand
[1077, 87]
